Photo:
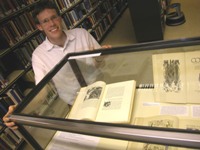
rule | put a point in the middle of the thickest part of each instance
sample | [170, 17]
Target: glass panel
[138, 66]
[51, 101]
[113, 66]
[46, 103]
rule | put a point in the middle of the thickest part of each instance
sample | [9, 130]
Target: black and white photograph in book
[93, 93]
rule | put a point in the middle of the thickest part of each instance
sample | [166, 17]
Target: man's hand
[106, 46]
[99, 61]
[7, 121]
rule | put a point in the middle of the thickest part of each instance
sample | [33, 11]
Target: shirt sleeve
[91, 40]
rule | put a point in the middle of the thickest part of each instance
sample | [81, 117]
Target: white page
[193, 76]
[170, 77]
[72, 141]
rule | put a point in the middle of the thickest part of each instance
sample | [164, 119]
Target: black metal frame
[166, 136]
[112, 127]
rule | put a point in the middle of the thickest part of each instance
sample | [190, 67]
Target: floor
[123, 32]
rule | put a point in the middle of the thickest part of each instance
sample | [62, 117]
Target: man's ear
[39, 27]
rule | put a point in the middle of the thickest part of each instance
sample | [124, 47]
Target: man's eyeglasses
[47, 20]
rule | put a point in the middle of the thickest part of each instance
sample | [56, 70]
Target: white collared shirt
[47, 55]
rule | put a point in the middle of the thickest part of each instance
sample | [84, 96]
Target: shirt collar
[50, 46]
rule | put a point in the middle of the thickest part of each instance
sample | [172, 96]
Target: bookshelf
[19, 37]
[96, 16]
[17, 32]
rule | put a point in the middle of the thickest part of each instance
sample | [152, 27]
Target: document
[103, 102]
[177, 77]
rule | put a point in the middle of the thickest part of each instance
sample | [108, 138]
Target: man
[57, 44]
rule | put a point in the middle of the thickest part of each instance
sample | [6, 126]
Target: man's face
[50, 23]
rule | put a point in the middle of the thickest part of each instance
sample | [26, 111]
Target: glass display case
[163, 111]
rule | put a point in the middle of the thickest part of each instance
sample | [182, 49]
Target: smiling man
[57, 44]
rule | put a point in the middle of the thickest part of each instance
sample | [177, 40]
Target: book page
[154, 121]
[170, 77]
[190, 124]
[112, 144]
[164, 121]
[175, 110]
[144, 100]
[149, 146]
[195, 112]
[87, 102]
[193, 76]
[117, 102]
[69, 141]
[72, 141]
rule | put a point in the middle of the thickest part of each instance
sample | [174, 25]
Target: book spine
[18, 92]
[20, 57]
[11, 6]
[12, 134]
[66, 3]
[27, 19]
[3, 108]
[24, 22]
[3, 105]
[7, 100]
[9, 37]
[4, 145]
[29, 76]
[6, 8]
[26, 56]
[7, 141]
[67, 21]
[9, 93]
[16, 5]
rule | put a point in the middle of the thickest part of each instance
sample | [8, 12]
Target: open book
[105, 103]
[177, 77]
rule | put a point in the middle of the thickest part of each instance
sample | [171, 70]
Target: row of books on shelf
[97, 22]
[104, 24]
[24, 52]
[3, 81]
[18, 28]
[22, 55]
[99, 31]
[11, 6]
[65, 4]
[74, 16]
[10, 139]
[8, 81]
[79, 11]
[13, 96]
[97, 16]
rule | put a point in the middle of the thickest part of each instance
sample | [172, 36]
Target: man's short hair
[42, 5]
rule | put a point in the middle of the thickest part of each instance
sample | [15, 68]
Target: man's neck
[59, 41]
